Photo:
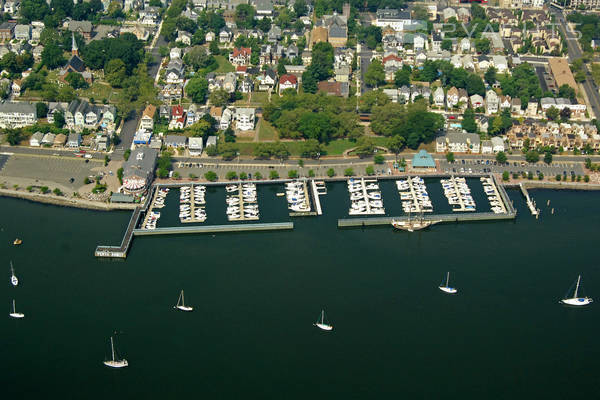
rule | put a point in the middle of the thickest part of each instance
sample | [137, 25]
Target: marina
[191, 204]
[414, 196]
[458, 194]
[365, 197]
[242, 202]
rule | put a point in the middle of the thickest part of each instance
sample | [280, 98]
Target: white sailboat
[14, 313]
[13, 278]
[321, 324]
[446, 288]
[181, 303]
[114, 362]
[577, 301]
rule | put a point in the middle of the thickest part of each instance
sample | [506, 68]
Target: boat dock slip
[298, 198]
[316, 194]
[458, 194]
[192, 201]
[530, 203]
[215, 229]
[241, 202]
[414, 196]
[491, 190]
[363, 202]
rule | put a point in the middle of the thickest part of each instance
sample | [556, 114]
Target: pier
[298, 198]
[530, 203]
[411, 200]
[242, 203]
[276, 226]
[316, 200]
[362, 205]
[498, 209]
[459, 196]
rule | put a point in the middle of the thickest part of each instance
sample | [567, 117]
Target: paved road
[365, 59]
[574, 52]
[46, 152]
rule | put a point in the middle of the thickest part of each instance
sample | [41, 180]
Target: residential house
[36, 139]
[492, 102]
[452, 97]
[267, 80]
[287, 81]
[17, 115]
[487, 147]
[147, 120]
[48, 139]
[500, 63]
[505, 102]
[240, 56]
[175, 71]
[195, 146]
[177, 117]
[532, 107]
[84, 28]
[395, 19]
[23, 32]
[340, 89]
[12, 7]
[247, 85]
[476, 101]
[176, 141]
[54, 108]
[7, 30]
[498, 144]
[245, 118]
[230, 82]
[459, 142]
[225, 35]
[439, 97]
[226, 119]
[436, 42]
[516, 106]
[463, 98]
[74, 140]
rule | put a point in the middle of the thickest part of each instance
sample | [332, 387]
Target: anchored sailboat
[446, 288]
[575, 300]
[13, 278]
[14, 313]
[181, 303]
[114, 362]
[322, 324]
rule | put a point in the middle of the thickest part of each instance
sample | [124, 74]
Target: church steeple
[74, 50]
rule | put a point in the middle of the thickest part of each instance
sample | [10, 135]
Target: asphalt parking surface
[488, 166]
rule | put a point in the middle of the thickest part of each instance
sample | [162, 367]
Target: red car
[452, 117]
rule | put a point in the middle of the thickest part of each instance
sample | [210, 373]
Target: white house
[245, 118]
[439, 97]
[36, 139]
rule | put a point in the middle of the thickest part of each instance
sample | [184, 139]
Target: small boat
[14, 313]
[321, 324]
[446, 288]
[280, 194]
[181, 303]
[17, 242]
[13, 278]
[114, 362]
[577, 301]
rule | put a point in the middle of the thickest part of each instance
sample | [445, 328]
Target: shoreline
[102, 206]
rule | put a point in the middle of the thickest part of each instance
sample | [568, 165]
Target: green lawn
[99, 91]
[267, 131]
[224, 65]
[334, 148]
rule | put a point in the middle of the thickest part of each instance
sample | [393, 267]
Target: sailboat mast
[577, 287]
[447, 278]
[112, 348]
[322, 316]
[14, 310]
[182, 299]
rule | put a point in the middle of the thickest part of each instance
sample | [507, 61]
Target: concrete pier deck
[214, 229]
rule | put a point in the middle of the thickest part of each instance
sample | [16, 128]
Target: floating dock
[243, 203]
[354, 222]
[530, 203]
[315, 195]
[276, 226]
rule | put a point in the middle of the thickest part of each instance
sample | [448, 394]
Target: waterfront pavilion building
[423, 160]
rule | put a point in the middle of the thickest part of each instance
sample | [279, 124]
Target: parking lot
[68, 172]
[490, 166]
[199, 169]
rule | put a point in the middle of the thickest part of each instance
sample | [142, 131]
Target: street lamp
[237, 153]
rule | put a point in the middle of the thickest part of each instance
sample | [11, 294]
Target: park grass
[99, 91]
[259, 98]
[224, 65]
[266, 131]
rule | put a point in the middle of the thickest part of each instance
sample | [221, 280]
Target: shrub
[505, 176]
[273, 174]
[44, 189]
[541, 176]
[292, 174]
[348, 172]
[586, 178]
[558, 177]
[243, 176]
[311, 173]
[57, 192]
[87, 180]
[331, 172]
[231, 175]
[258, 175]
[370, 170]
[379, 159]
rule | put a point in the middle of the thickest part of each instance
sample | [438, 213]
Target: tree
[548, 157]
[490, 75]
[292, 174]
[402, 78]
[198, 58]
[482, 46]
[565, 114]
[552, 113]
[558, 177]
[396, 144]
[52, 56]
[474, 85]
[379, 159]
[501, 157]
[532, 156]
[281, 151]
[75, 79]
[258, 175]
[310, 148]
[219, 98]
[59, 119]
[364, 147]
[115, 72]
[348, 172]
[375, 74]
[211, 150]
[197, 89]
[505, 176]
[447, 44]
[244, 16]
[450, 157]
[34, 10]
[228, 151]
[567, 92]
[273, 174]
[41, 109]
[331, 172]
[468, 122]
[211, 176]
[300, 8]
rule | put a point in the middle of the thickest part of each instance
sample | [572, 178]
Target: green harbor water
[256, 296]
